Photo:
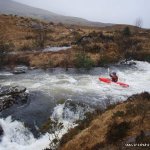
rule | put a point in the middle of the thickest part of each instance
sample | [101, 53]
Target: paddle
[108, 71]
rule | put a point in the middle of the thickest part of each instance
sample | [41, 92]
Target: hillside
[22, 40]
[119, 125]
[15, 8]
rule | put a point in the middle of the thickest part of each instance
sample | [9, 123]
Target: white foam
[56, 49]
[86, 87]
[17, 137]
[5, 73]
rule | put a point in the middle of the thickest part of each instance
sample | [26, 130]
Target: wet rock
[1, 132]
[74, 110]
[128, 63]
[10, 95]
[11, 90]
[20, 70]
[6, 101]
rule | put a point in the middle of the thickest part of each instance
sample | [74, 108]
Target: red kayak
[107, 80]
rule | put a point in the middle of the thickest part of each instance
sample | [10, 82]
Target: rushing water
[48, 87]
[56, 49]
[47, 49]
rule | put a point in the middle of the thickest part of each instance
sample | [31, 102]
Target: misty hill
[15, 8]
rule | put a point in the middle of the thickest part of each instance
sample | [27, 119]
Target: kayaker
[113, 76]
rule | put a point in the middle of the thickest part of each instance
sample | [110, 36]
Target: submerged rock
[10, 95]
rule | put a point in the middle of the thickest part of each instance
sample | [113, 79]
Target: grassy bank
[99, 46]
[120, 124]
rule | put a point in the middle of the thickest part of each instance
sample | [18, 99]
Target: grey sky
[108, 11]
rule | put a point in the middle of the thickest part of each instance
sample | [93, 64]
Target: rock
[127, 63]
[20, 70]
[74, 110]
[1, 132]
[11, 90]
[6, 102]
[21, 98]
[84, 39]
[10, 95]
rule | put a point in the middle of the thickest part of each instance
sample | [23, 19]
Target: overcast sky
[107, 11]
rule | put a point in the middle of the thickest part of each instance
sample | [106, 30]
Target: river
[47, 88]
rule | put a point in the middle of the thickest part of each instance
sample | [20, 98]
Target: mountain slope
[15, 8]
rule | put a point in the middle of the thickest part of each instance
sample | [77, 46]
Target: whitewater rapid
[83, 87]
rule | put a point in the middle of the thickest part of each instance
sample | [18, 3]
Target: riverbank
[119, 125]
[21, 44]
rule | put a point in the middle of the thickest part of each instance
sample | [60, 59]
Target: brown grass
[100, 128]
[103, 48]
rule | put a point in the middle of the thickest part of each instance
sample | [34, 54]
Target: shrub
[77, 35]
[126, 31]
[61, 101]
[111, 106]
[117, 132]
[50, 63]
[119, 114]
[25, 47]
[29, 37]
[147, 58]
[104, 60]
[93, 48]
[23, 61]
[5, 47]
[98, 146]
[82, 60]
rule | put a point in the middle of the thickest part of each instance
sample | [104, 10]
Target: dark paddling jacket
[114, 78]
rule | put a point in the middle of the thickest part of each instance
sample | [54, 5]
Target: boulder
[127, 63]
[11, 90]
[10, 95]
[20, 70]
[6, 102]
[75, 110]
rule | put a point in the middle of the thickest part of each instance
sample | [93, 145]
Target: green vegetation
[103, 61]
[61, 101]
[83, 61]
[5, 46]
[147, 58]
[126, 31]
[119, 114]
